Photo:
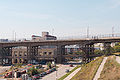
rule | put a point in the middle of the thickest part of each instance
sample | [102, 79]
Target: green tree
[49, 65]
[117, 48]
[32, 71]
[109, 51]
[98, 51]
[18, 65]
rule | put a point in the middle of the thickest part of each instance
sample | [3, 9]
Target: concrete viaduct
[87, 45]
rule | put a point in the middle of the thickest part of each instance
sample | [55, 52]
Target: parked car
[44, 73]
[29, 64]
[36, 77]
[53, 69]
[40, 75]
[48, 71]
[71, 65]
[67, 70]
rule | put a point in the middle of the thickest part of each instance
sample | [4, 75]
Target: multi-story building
[19, 54]
[45, 36]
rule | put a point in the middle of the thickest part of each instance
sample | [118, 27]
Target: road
[72, 74]
[60, 72]
[100, 69]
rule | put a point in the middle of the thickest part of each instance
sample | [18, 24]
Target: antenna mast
[113, 31]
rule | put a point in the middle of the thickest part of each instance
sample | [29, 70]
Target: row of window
[25, 54]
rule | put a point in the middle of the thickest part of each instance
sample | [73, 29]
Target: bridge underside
[59, 56]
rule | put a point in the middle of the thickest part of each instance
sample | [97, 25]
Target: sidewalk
[100, 69]
[72, 74]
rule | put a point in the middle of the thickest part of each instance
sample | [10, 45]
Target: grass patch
[89, 70]
[63, 77]
[111, 70]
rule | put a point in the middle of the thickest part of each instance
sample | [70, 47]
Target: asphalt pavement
[59, 73]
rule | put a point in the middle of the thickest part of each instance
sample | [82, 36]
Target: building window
[50, 53]
[20, 60]
[45, 53]
[15, 61]
[25, 54]
[15, 53]
[20, 54]
[40, 53]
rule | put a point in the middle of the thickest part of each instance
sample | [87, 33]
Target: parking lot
[60, 72]
[50, 74]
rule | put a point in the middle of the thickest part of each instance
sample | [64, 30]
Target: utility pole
[15, 36]
[87, 32]
[52, 31]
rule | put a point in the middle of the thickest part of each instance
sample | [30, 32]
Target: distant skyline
[59, 17]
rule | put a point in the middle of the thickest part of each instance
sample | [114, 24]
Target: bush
[32, 71]
[98, 51]
[117, 48]
[49, 65]
[19, 65]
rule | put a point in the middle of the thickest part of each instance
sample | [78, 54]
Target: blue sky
[66, 17]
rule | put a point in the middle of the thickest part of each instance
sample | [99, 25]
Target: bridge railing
[117, 35]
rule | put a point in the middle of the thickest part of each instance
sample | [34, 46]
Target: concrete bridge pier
[60, 52]
[5, 51]
[88, 50]
[107, 48]
[32, 52]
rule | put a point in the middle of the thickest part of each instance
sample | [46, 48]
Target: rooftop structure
[45, 36]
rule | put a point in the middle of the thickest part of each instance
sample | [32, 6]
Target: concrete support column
[29, 53]
[9, 51]
[60, 52]
[13, 61]
[5, 55]
[18, 60]
[1, 55]
[107, 48]
[32, 52]
[88, 50]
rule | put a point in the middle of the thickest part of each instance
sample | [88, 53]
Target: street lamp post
[12, 72]
[56, 74]
[56, 68]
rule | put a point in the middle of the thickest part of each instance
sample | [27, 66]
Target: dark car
[36, 77]
[44, 73]
[53, 69]
[67, 70]
[40, 75]
[71, 65]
